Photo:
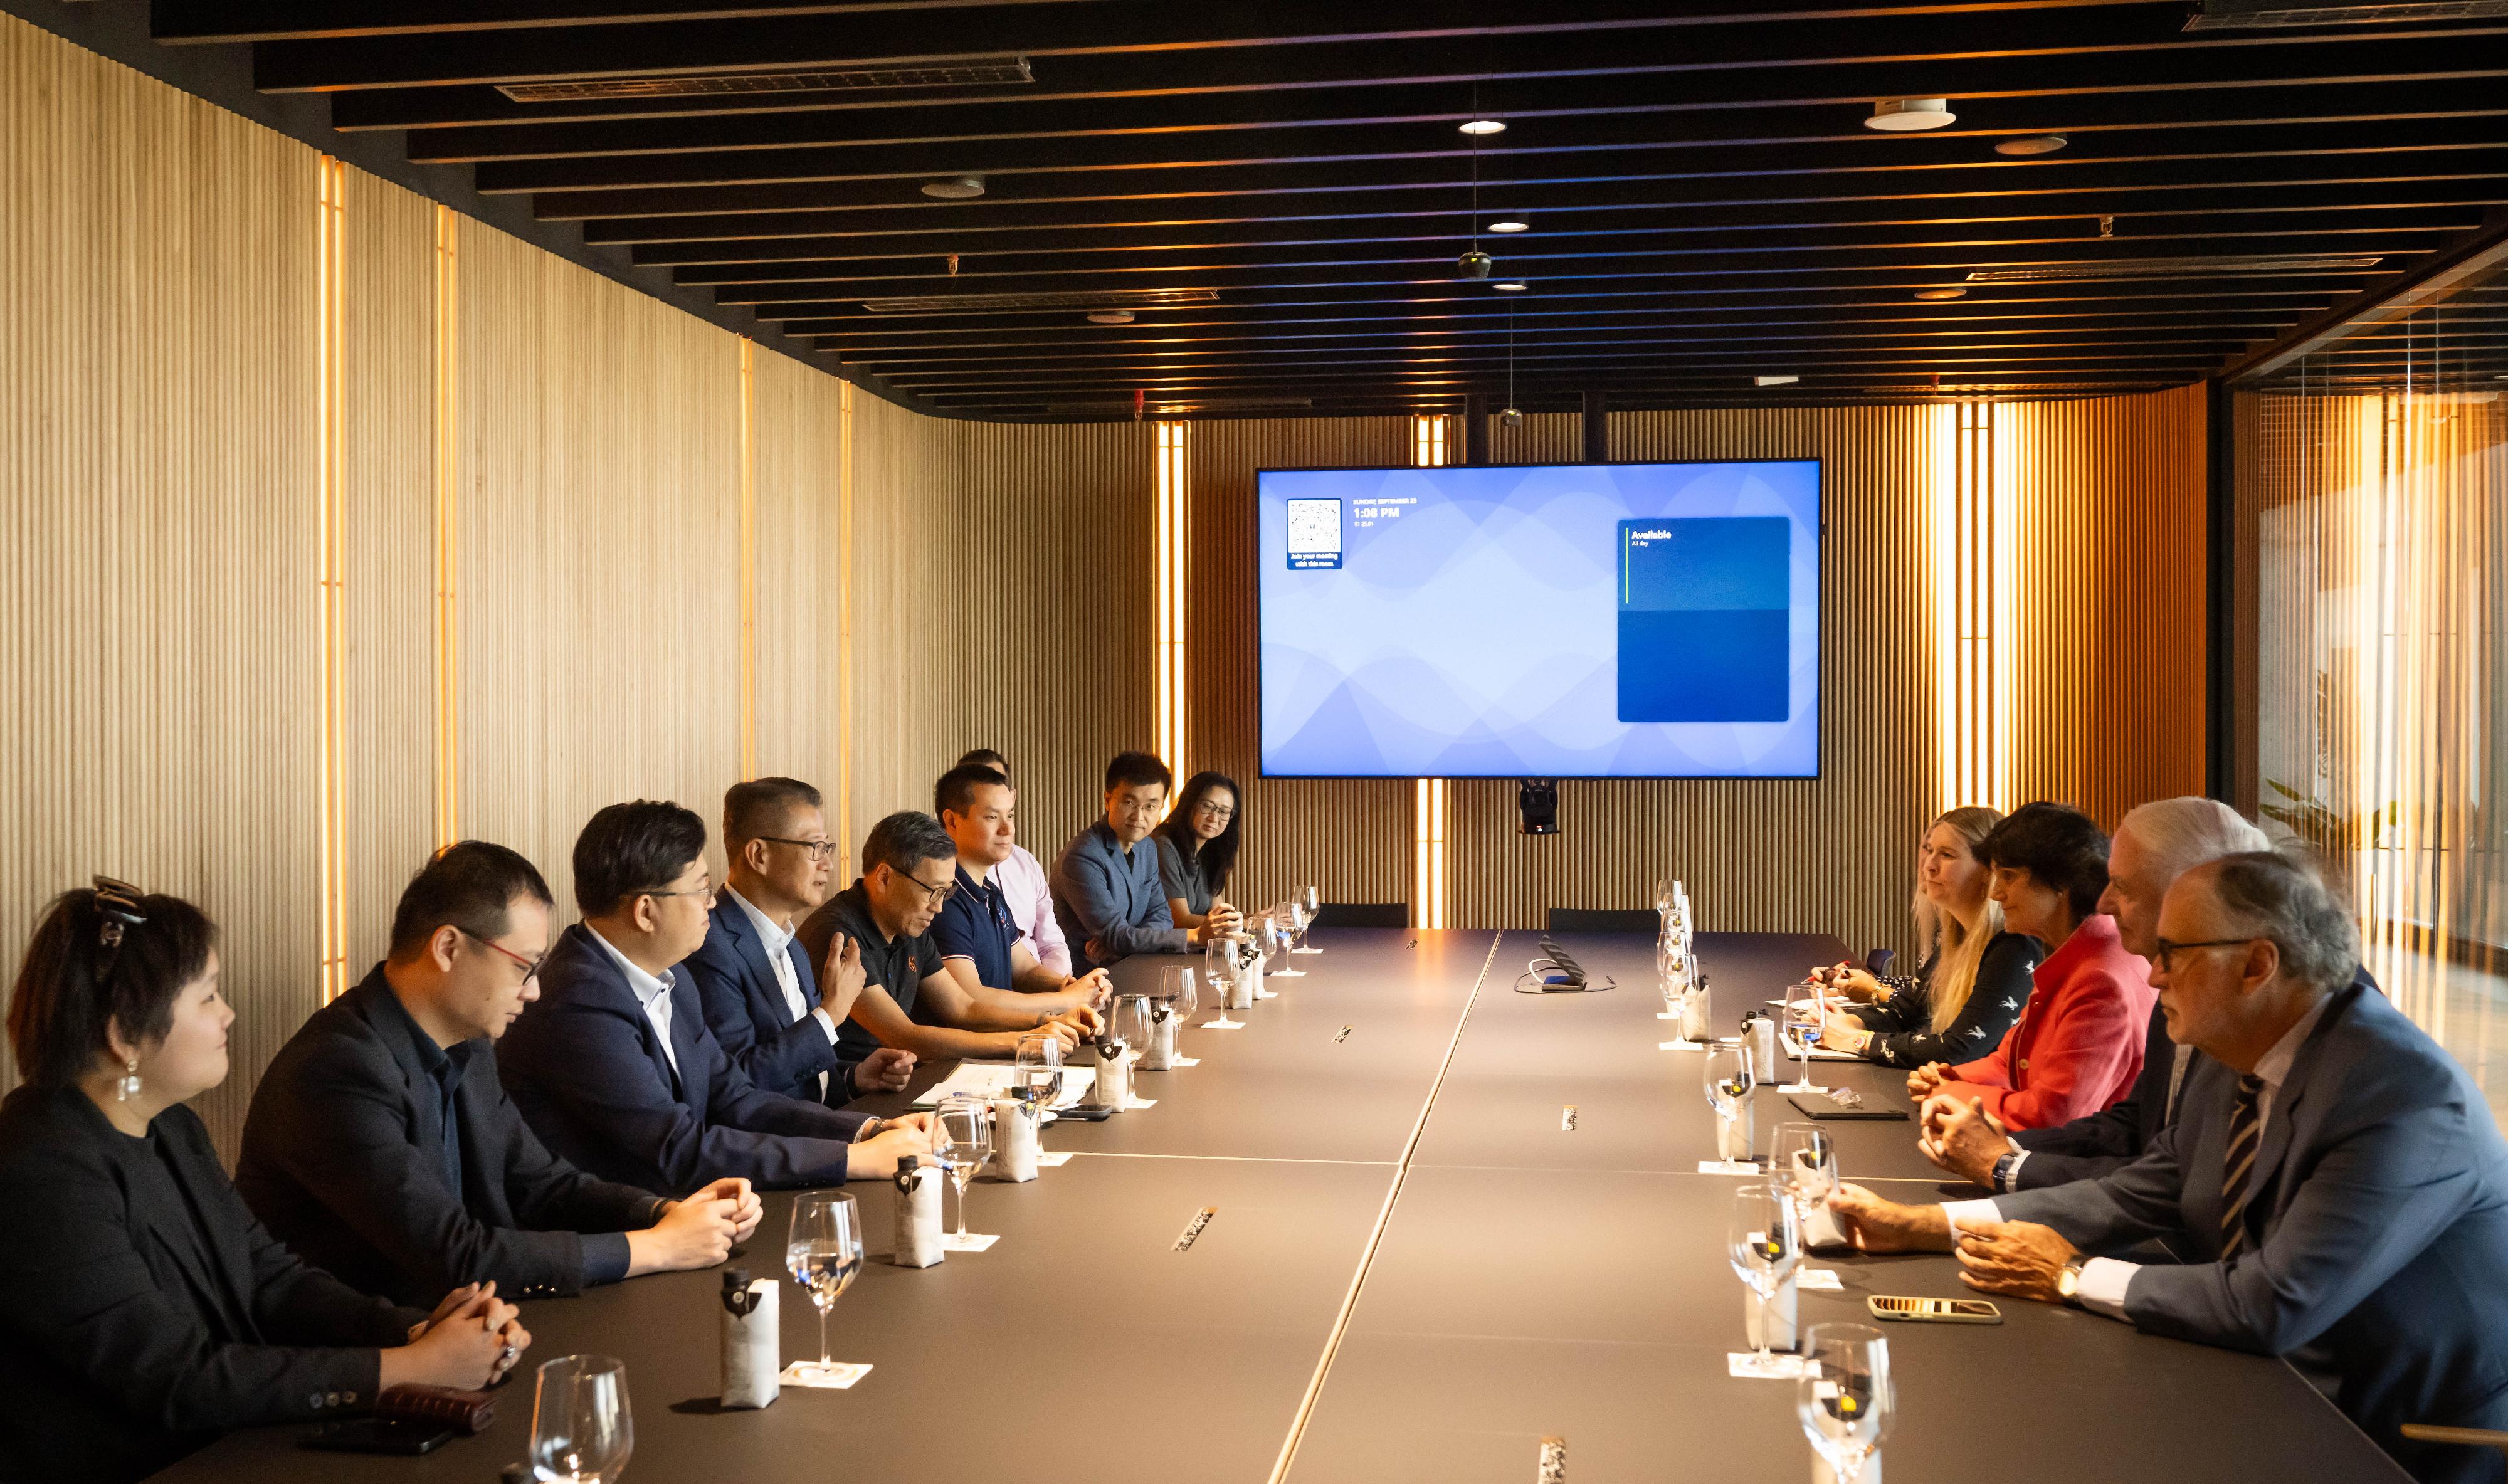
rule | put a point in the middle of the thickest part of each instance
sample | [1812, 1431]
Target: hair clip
[117, 903]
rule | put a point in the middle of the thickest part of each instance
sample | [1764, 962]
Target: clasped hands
[2018, 1258]
[471, 1341]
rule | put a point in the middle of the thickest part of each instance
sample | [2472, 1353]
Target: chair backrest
[1877, 962]
[1583, 919]
[1363, 914]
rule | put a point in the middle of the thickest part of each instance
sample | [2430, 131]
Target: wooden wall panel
[801, 576]
[388, 446]
[599, 556]
[158, 554]
[2111, 609]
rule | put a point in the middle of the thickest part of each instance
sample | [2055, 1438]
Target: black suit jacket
[593, 1082]
[143, 1311]
[746, 1010]
[341, 1162]
[2106, 1141]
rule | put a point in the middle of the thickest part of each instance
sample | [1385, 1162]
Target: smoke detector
[1900, 116]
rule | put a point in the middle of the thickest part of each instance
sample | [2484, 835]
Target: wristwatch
[2000, 1175]
[2068, 1284]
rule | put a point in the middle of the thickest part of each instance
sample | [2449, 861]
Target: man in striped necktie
[2336, 1183]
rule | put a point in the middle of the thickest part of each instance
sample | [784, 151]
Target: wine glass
[1036, 1072]
[1845, 1397]
[1177, 990]
[1128, 1022]
[581, 1429]
[824, 1251]
[1667, 976]
[1287, 925]
[1220, 969]
[1763, 1242]
[1308, 902]
[1799, 1030]
[1727, 1078]
[1802, 1162]
[962, 1139]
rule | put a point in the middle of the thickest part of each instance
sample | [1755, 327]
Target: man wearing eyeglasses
[776, 1018]
[910, 999]
[382, 1147]
[617, 1071]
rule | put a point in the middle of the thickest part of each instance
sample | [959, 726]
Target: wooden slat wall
[2110, 602]
[800, 575]
[600, 559]
[158, 638]
[388, 439]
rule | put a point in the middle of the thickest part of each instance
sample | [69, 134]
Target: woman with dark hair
[143, 1311]
[2078, 1046]
[1974, 976]
[1197, 848]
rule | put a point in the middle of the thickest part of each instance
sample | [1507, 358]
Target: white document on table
[992, 1079]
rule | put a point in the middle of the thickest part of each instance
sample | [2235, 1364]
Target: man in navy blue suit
[776, 1020]
[2338, 1185]
[615, 1070]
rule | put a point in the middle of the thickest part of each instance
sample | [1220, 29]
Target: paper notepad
[992, 1079]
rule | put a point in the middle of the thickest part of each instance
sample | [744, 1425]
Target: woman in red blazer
[2078, 1044]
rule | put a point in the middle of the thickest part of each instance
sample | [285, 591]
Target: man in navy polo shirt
[979, 937]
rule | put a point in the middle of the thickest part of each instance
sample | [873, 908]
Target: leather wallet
[443, 1406]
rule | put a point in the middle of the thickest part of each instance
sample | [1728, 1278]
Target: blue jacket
[2379, 1255]
[1111, 905]
[746, 1010]
[593, 1082]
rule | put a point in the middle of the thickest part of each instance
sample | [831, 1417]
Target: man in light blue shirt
[1106, 886]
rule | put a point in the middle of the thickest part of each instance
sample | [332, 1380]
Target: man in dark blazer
[777, 1020]
[2339, 1183]
[617, 1073]
[382, 1147]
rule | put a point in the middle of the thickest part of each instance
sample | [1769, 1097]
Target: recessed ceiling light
[955, 187]
[1510, 225]
[2033, 145]
[1508, 287]
[1774, 381]
[1483, 126]
[1899, 116]
[1940, 293]
[1111, 317]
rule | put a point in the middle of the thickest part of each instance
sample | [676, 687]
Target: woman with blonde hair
[1975, 978]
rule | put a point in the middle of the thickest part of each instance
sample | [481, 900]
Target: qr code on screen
[1314, 532]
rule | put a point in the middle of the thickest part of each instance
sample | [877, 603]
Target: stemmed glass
[1220, 969]
[1802, 1163]
[1728, 1081]
[581, 1431]
[1036, 1075]
[1799, 1030]
[1174, 1004]
[1273, 939]
[1763, 1244]
[1128, 1022]
[823, 1253]
[1288, 924]
[1667, 974]
[1308, 902]
[962, 1139]
[1845, 1397]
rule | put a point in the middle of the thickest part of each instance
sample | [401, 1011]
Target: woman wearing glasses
[144, 1310]
[1974, 976]
[1198, 849]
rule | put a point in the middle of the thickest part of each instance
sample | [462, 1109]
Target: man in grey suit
[2338, 1186]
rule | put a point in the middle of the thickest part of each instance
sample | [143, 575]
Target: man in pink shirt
[1023, 885]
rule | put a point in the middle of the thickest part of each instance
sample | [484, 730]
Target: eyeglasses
[819, 850]
[530, 966]
[932, 896]
[2167, 951]
[703, 889]
[1210, 809]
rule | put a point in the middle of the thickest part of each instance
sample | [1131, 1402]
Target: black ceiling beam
[2049, 93]
[1137, 27]
[197, 23]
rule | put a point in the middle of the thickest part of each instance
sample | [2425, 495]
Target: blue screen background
[1576, 620]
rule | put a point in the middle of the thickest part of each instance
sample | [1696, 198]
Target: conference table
[1447, 1220]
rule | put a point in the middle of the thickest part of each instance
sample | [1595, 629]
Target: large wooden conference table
[1416, 1271]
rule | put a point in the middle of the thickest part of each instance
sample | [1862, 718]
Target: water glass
[962, 1139]
[1036, 1071]
[1281, 930]
[581, 1429]
[1727, 1080]
[1802, 1163]
[1845, 1398]
[1763, 1242]
[1310, 901]
[823, 1253]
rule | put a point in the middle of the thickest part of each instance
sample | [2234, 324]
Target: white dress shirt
[2105, 1281]
[654, 994]
[774, 937]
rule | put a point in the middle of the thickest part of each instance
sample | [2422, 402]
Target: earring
[126, 1086]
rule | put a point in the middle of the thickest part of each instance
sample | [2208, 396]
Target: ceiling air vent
[2240, 14]
[1003, 304]
[969, 72]
[2177, 268]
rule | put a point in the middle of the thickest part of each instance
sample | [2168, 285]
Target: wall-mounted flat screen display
[1581, 620]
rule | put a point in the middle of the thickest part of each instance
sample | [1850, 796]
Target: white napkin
[919, 1216]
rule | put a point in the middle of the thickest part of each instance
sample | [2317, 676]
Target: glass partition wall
[2372, 509]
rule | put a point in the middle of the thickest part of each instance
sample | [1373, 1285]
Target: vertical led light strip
[844, 617]
[1170, 587]
[330, 297]
[447, 489]
[748, 558]
[1973, 571]
[1429, 795]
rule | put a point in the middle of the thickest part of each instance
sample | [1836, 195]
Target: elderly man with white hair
[2155, 844]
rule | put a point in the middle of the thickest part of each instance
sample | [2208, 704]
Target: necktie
[2245, 1129]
